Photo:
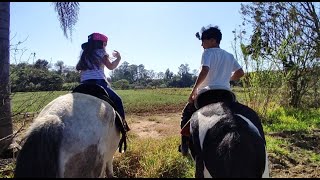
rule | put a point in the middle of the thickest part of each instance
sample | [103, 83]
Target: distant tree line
[41, 76]
[128, 76]
[26, 77]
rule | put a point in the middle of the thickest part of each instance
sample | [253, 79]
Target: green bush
[69, 86]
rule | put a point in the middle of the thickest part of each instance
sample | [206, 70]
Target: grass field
[292, 135]
[135, 101]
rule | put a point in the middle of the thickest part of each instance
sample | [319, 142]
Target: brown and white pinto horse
[75, 135]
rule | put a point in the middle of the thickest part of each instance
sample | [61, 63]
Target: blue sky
[159, 35]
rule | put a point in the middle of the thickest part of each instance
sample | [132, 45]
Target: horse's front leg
[199, 167]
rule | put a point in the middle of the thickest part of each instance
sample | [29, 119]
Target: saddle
[210, 97]
[99, 92]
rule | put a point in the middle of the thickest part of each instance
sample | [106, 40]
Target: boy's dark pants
[187, 112]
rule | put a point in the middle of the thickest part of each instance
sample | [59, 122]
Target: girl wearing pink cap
[91, 66]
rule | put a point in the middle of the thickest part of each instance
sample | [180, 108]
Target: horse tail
[229, 151]
[218, 147]
[39, 156]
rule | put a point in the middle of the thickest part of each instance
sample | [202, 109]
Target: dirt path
[155, 126]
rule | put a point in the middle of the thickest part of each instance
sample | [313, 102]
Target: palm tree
[68, 16]
[5, 107]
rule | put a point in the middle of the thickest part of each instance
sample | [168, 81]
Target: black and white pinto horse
[225, 143]
[75, 135]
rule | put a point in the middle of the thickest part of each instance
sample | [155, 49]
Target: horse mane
[229, 147]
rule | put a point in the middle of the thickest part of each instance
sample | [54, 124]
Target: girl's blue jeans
[112, 94]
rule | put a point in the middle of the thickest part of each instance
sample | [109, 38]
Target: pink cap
[97, 37]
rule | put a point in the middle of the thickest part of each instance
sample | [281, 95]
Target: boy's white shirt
[221, 66]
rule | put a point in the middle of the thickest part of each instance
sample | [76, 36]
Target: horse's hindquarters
[225, 146]
[91, 138]
[86, 139]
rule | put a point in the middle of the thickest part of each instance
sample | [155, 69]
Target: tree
[121, 84]
[141, 71]
[185, 77]
[68, 16]
[168, 74]
[160, 75]
[5, 107]
[120, 72]
[288, 33]
[42, 64]
[60, 66]
[71, 75]
[183, 69]
[151, 74]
